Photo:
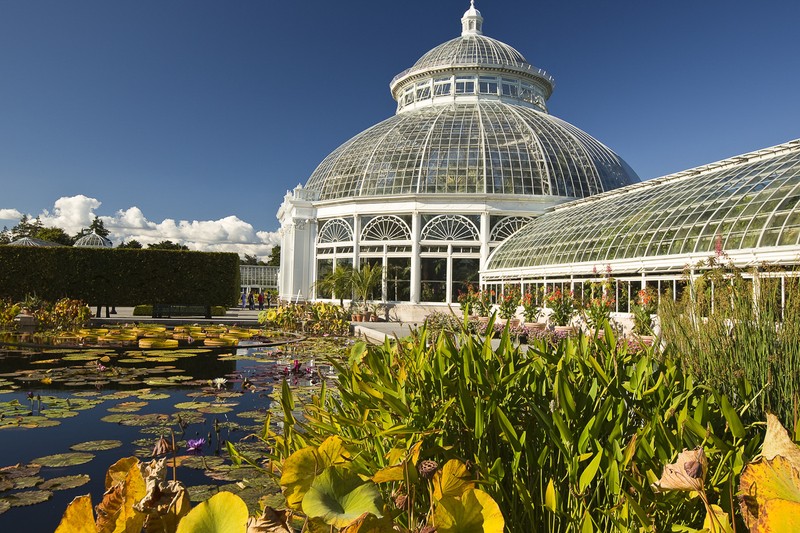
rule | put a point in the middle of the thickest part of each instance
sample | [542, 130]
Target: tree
[251, 260]
[167, 245]
[96, 226]
[275, 256]
[338, 282]
[56, 235]
[26, 228]
[5, 235]
[133, 243]
[365, 280]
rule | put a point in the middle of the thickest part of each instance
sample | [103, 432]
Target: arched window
[507, 227]
[450, 228]
[386, 228]
[335, 230]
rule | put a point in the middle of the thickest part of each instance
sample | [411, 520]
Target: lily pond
[67, 413]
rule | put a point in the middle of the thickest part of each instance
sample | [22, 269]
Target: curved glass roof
[93, 240]
[487, 147]
[746, 202]
[471, 50]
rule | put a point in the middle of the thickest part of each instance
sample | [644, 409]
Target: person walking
[250, 302]
[261, 301]
[244, 297]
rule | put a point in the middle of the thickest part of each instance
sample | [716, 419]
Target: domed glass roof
[471, 120]
[480, 147]
[93, 240]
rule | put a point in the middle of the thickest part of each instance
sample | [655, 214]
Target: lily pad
[200, 462]
[127, 407]
[200, 493]
[28, 497]
[65, 482]
[153, 396]
[64, 459]
[96, 445]
[27, 482]
[4, 506]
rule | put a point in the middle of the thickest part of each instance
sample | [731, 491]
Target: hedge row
[124, 277]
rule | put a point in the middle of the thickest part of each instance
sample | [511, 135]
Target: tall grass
[739, 335]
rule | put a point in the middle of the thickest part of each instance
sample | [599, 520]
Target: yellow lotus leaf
[298, 472]
[78, 517]
[453, 479]
[688, 472]
[777, 442]
[224, 512]
[332, 452]
[719, 521]
[778, 516]
[124, 487]
[390, 473]
[474, 512]
[763, 481]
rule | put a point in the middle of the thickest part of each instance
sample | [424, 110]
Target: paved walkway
[374, 332]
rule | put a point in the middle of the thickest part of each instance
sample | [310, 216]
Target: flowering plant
[508, 303]
[643, 308]
[469, 300]
[484, 302]
[598, 311]
[529, 307]
[562, 305]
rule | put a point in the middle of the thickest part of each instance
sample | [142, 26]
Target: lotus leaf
[222, 513]
[96, 445]
[65, 482]
[78, 517]
[474, 512]
[340, 497]
[453, 479]
[64, 459]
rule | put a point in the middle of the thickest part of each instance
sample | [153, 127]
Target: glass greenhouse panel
[744, 202]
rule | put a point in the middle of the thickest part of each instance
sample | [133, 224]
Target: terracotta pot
[646, 339]
[483, 319]
[513, 323]
[569, 330]
[535, 325]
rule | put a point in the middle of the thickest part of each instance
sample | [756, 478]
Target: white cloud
[10, 214]
[229, 234]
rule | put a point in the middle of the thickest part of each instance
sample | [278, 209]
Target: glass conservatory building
[469, 158]
[744, 211]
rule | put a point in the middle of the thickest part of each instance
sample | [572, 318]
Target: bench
[170, 311]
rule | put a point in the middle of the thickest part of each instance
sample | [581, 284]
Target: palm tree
[365, 280]
[338, 282]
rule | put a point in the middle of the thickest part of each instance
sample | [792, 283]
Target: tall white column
[416, 265]
[485, 232]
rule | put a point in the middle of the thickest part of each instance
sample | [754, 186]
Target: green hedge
[124, 277]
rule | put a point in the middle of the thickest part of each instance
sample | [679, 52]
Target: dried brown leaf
[688, 472]
[270, 521]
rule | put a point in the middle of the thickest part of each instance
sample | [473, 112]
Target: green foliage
[167, 245]
[508, 302]
[8, 310]
[132, 244]
[320, 317]
[121, 277]
[738, 342]
[564, 438]
[274, 256]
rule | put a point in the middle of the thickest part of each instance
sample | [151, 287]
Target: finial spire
[472, 21]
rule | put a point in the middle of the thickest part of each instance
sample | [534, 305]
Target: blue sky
[206, 112]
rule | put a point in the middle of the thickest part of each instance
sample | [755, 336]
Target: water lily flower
[219, 382]
[194, 445]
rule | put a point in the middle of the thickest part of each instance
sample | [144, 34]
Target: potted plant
[643, 309]
[562, 306]
[365, 280]
[598, 313]
[531, 310]
[469, 300]
[484, 304]
[508, 303]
